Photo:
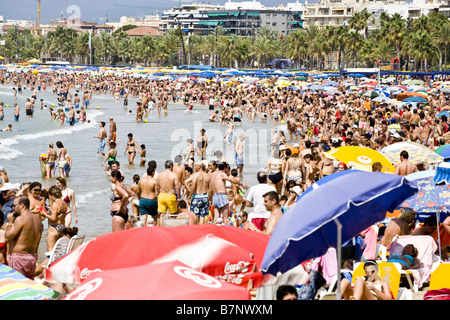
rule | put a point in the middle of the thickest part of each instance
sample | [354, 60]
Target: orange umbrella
[402, 96]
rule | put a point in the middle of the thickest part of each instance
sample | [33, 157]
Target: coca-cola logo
[240, 267]
[86, 272]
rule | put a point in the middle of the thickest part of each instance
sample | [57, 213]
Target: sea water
[164, 138]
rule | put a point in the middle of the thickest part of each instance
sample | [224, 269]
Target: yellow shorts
[167, 201]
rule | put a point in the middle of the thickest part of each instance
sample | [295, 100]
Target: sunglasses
[37, 190]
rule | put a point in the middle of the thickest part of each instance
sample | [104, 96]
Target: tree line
[421, 44]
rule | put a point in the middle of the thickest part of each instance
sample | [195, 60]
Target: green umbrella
[371, 94]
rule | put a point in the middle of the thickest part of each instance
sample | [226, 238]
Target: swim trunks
[167, 201]
[25, 263]
[148, 206]
[101, 146]
[239, 161]
[220, 200]
[200, 204]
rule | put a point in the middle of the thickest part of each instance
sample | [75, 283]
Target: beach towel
[370, 242]
[441, 294]
[426, 247]
[328, 263]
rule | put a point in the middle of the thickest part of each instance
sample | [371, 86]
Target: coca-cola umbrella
[162, 281]
[225, 252]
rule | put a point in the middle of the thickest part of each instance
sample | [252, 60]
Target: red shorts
[259, 223]
[25, 263]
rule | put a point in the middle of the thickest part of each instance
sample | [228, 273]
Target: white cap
[8, 186]
[297, 190]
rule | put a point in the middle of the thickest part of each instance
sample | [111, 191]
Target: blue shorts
[148, 206]
[101, 146]
[220, 200]
[239, 162]
[200, 204]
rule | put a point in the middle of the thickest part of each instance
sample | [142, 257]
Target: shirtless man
[398, 227]
[112, 130]
[147, 194]
[23, 234]
[239, 149]
[271, 202]
[199, 192]
[29, 108]
[405, 167]
[181, 174]
[219, 191]
[102, 139]
[2, 114]
[168, 185]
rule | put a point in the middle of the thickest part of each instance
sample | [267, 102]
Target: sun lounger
[426, 247]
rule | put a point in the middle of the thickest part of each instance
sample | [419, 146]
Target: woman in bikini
[190, 155]
[275, 172]
[202, 144]
[51, 159]
[369, 287]
[120, 198]
[61, 155]
[37, 202]
[68, 195]
[57, 217]
[295, 169]
[132, 148]
[110, 156]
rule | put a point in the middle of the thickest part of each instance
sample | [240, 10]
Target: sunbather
[408, 259]
[369, 287]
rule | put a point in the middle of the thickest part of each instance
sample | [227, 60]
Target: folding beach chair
[174, 220]
[59, 250]
[75, 242]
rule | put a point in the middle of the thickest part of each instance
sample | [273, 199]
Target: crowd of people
[190, 185]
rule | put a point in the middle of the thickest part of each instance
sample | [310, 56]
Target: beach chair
[75, 242]
[59, 250]
[440, 278]
[174, 220]
[387, 271]
[426, 254]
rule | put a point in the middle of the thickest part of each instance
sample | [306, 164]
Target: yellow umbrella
[34, 61]
[2, 58]
[361, 158]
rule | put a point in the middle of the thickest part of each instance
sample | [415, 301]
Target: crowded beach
[323, 126]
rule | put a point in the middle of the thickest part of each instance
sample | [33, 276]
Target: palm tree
[442, 40]
[262, 49]
[358, 21]
[145, 48]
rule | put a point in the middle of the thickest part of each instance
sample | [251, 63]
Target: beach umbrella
[443, 113]
[164, 281]
[381, 99]
[432, 198]
[371, 94]
[415, 99]
[15, 286]
[330, 83]
[443, 151]
[355, 75]
[362, 157]
[407, 94]
[232, 253]
[417, 153]
[2, 58]
[342, 207]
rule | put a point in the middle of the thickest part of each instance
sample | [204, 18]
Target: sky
[96, 10]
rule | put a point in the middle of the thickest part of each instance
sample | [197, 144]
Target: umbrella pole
[439, 233]
[339, 258]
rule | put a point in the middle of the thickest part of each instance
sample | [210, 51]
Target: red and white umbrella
[163, 281]
[225, 252]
